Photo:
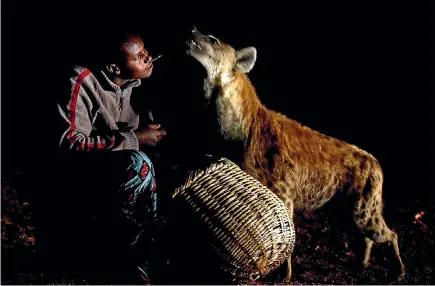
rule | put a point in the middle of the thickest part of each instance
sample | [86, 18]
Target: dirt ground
[325, 250]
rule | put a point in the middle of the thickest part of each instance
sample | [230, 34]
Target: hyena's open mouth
[192, 44]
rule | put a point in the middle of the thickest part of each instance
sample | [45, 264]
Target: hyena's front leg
[288, 270]
[284, 272]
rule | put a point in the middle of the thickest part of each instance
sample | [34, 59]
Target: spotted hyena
[302, 166]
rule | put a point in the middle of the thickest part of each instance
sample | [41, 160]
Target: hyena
[302, 166]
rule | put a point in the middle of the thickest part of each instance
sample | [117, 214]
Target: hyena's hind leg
[369, 219]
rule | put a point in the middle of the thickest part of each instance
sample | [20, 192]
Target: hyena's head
[217, 57]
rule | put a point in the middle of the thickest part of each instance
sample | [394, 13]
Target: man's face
[137, 63]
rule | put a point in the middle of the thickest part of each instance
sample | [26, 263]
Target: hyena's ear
[246, 58]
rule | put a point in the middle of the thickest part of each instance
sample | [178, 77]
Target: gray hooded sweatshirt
[98, 115]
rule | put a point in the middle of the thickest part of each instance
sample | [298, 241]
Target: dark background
[358, 71]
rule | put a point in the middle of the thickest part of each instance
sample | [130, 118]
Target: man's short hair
[105, 46]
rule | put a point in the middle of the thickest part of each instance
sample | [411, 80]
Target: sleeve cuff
[131, 140]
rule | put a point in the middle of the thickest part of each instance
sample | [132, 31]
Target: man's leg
[109, 201]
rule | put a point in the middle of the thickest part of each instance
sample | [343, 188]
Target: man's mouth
[150, 66]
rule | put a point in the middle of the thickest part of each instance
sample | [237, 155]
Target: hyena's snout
[197, 36]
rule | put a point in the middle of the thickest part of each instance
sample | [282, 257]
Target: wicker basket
[251, 228]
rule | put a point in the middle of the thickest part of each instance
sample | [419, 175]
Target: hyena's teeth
[199, 47]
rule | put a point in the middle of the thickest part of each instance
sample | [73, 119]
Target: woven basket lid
[250, 228]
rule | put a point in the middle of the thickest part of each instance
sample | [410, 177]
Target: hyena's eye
[213, 40]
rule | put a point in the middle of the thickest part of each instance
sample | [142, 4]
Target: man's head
[128, 58]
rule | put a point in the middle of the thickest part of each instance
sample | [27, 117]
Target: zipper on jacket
[120, 105]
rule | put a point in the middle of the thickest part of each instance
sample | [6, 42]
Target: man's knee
[139, 160]
[140, 170]
[139, 187]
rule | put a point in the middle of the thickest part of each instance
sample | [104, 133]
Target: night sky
[358, 71]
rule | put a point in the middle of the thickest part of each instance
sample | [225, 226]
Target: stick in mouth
[156, 58]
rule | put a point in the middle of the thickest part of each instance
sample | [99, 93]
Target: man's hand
[151, 135]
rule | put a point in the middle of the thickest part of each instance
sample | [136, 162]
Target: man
[109, 184]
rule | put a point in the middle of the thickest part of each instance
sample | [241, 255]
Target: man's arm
[78, 134]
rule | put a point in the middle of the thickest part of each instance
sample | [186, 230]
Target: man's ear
[112, 68]
[246, 58]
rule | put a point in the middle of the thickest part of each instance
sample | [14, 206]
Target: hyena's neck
[236, 103]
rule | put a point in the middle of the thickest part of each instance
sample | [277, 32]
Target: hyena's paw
[365, 264]
[280, 276]
[401, 275]
[397, 273]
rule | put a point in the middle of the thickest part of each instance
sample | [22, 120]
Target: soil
[325, 250]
